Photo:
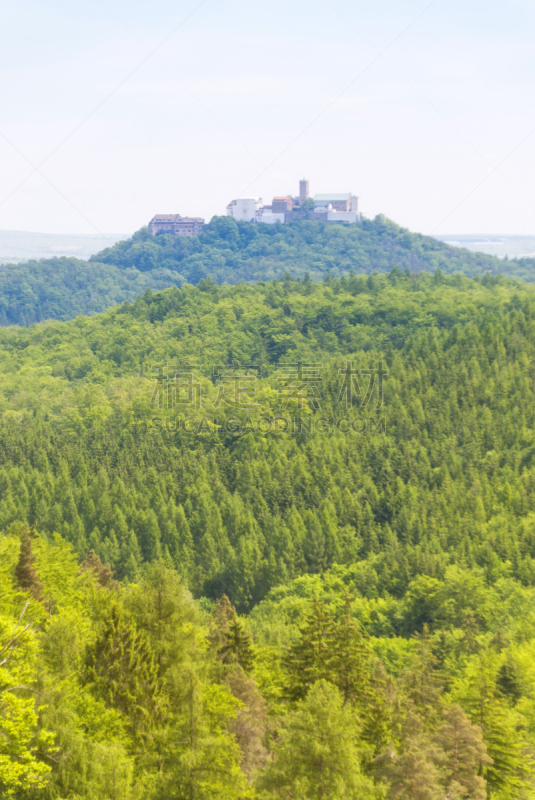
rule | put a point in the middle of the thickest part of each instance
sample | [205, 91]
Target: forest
[230, 252]
[199, 602]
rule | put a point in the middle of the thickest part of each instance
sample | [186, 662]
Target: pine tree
[164, 610]
[332, 648]
[508, 681]
[350, 656]
[466, 755]
[102, 572]
[411, 769]
[311, 658]
[232, 642]
[224, 614]
[421, 682]
[352, 673]
[317, 754]
[511, 761]
[25, 573]
[238, 647]
[120, 666]
[201, 758]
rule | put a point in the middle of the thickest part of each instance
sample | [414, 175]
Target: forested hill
[228, 252]
[326, 590]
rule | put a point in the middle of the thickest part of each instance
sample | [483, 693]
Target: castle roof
[159, 218]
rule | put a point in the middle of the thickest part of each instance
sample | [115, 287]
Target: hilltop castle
[326, 207]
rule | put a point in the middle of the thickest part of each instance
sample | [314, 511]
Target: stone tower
[303, 191]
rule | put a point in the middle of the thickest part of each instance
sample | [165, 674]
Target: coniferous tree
[25, 571]
[224, 614]
[508, 681]
[311, 658]
[352, 672]
[102, 572]
[232, 642]
[121, 668]
[250, 724]
[511, 762]
[421, 682]
[317, 754]
[164, 610]
[350, 655]
[200, 757]
[331, 647]
[465, 755]
[237, 647]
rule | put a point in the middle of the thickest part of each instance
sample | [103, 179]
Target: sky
[114, 110]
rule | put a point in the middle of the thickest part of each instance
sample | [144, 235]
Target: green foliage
[229, 637]
[62, 288]
[214, 615]
[21, 741]
[228, 252]
[317, 753]
[511, 765]
[202, 758]
[237, 647]
[330, 647]
[120, 667]
[447, 487]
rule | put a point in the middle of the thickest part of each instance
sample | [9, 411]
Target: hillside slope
[228, 253]
[379, 547]
[452, 473]
[62, 288]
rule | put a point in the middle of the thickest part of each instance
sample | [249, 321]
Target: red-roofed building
[282, 204]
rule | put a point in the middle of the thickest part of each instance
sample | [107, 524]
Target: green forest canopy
[292, 614]
[228, 252]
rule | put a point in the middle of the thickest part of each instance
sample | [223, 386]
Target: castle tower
[303, 191]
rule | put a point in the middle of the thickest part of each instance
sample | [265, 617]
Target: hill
[62, 288]
[314, 556]
[78, 400]
[228, 252]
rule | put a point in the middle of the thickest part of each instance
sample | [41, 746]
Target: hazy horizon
[20, 246]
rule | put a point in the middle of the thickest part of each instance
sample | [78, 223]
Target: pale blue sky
[246, 98]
